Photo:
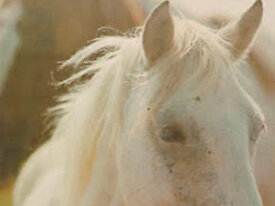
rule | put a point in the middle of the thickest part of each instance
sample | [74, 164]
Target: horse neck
[103, 185]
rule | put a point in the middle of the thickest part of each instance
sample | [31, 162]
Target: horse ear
[158, 34]
[241, 33]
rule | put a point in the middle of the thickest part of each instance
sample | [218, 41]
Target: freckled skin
[204, 166]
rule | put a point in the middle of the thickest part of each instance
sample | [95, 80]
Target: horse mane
[92, 113]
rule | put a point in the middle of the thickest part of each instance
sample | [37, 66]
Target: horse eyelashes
[171, 133]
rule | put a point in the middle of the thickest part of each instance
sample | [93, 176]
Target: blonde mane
[93, 112]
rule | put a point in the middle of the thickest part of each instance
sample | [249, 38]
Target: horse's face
[193, 151]
[197, 152]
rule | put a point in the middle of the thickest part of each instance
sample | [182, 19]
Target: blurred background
[37, 34]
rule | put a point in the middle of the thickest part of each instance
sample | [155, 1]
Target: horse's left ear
[240, 33]
[158, 34]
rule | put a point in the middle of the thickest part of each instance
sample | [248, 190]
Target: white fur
[106, 148]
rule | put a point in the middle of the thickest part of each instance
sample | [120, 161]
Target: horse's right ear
[158, 34]
[241, 33]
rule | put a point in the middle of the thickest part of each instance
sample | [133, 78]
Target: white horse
[9, 40]
[259, 74]
[163, 121]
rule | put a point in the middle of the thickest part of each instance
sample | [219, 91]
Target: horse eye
[259, 134]
[171, 133]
